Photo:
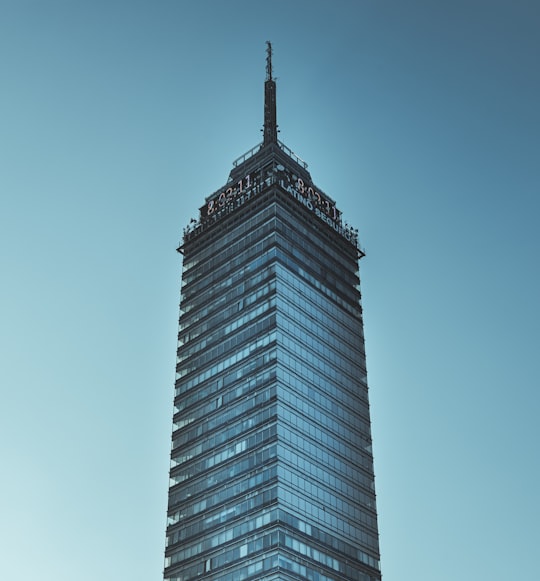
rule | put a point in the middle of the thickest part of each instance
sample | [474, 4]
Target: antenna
[269, 61]
[270, 118]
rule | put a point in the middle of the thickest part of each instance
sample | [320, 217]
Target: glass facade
[271, 463]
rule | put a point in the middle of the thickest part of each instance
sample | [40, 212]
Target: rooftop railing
[240, 160]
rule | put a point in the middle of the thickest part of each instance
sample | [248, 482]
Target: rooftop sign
[236, 194]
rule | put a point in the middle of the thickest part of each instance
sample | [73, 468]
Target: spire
[268, 60]
[270, 119]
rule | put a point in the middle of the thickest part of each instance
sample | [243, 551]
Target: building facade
[271, 464]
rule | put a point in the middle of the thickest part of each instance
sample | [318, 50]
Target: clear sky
[420, 118]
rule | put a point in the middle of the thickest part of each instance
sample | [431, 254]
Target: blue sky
[419, 118]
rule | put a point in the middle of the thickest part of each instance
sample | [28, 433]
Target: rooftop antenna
[269, 61]
[270, 130]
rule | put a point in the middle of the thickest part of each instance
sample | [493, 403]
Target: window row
[302, 466]
[296, 289]
[326, 517]
[234, 375]
[253, 568]
[331, 499]
[215, 421]
[306, 571]
[230, 490]
[215, 293]
[231, 309]
[256, 440]
[216, 343]
[324, 379]
[352, 306]
[308, 432]
[303, 570]
[199, 309]
[216, 438]
[235, 357]
[315, 323]
[314, 449]
[187, 491]
[218, 336]
[229, 395]
[220, 253]
[256, 556]
[223, 515]
[295, 229]
[223, 240]
[356, 431]
[316, 352]
[330, 540]
[224, 536]
[223, 277]
[331, 273]
[318, 319]
[293, 357]
[327, 395]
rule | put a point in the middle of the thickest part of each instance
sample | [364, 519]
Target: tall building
[271, 464]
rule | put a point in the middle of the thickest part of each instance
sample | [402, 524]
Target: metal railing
[240, 160]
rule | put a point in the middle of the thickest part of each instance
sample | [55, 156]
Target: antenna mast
[268, 61]
[270, 116]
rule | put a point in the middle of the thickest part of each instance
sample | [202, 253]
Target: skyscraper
[271, 464]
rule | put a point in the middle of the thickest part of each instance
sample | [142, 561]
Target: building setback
[271, 464]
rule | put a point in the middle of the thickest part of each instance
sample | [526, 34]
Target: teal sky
[420, 118]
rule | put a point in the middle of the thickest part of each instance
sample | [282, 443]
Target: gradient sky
[420, 118]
